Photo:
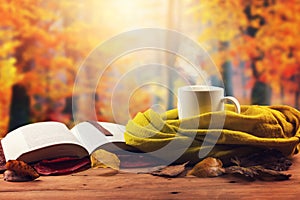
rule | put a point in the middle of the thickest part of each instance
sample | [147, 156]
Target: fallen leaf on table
[268, 159]
[170, 171]
[271, 175]
[209, 167]
[104, 159]
[257, 172]
[242, 172]
[18, 171]
[265, 165]
[62, 165]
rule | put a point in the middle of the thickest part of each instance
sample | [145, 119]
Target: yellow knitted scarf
[218, 134]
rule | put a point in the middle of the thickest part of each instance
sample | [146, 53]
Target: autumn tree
[43, 44]
[258, 35]
[41, 53]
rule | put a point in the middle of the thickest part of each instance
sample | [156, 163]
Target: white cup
[198, 99]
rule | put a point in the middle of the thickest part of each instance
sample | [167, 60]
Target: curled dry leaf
[19, 171]
[209, 167]
[102, 158]
[12, 176]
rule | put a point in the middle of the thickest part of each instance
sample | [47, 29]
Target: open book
[48, 140]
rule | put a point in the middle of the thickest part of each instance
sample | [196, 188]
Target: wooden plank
[99, 184]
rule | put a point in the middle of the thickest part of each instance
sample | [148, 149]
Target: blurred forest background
[254, 43]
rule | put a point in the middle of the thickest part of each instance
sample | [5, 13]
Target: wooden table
[101, 184]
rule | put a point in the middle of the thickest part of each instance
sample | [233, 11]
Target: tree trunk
[227, 77]
[19, 107]
[261, 94]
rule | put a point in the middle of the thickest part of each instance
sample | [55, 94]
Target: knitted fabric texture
[223, 135]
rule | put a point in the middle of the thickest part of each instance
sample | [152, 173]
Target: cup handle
[235, 103]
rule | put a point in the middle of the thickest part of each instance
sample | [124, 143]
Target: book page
[35, 136]
[92, 138]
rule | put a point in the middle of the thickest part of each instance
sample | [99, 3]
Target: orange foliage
[40, 49]
[276, 42]
[47, 41]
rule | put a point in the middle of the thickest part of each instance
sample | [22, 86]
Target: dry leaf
[19, 171]
[265, 165]
[104, 159]
[209, 167]
[257, 172]
[243, 172]
[170, 171]
[271, 175]
[268, 159]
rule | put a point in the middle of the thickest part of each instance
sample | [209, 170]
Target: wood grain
[105, 184]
